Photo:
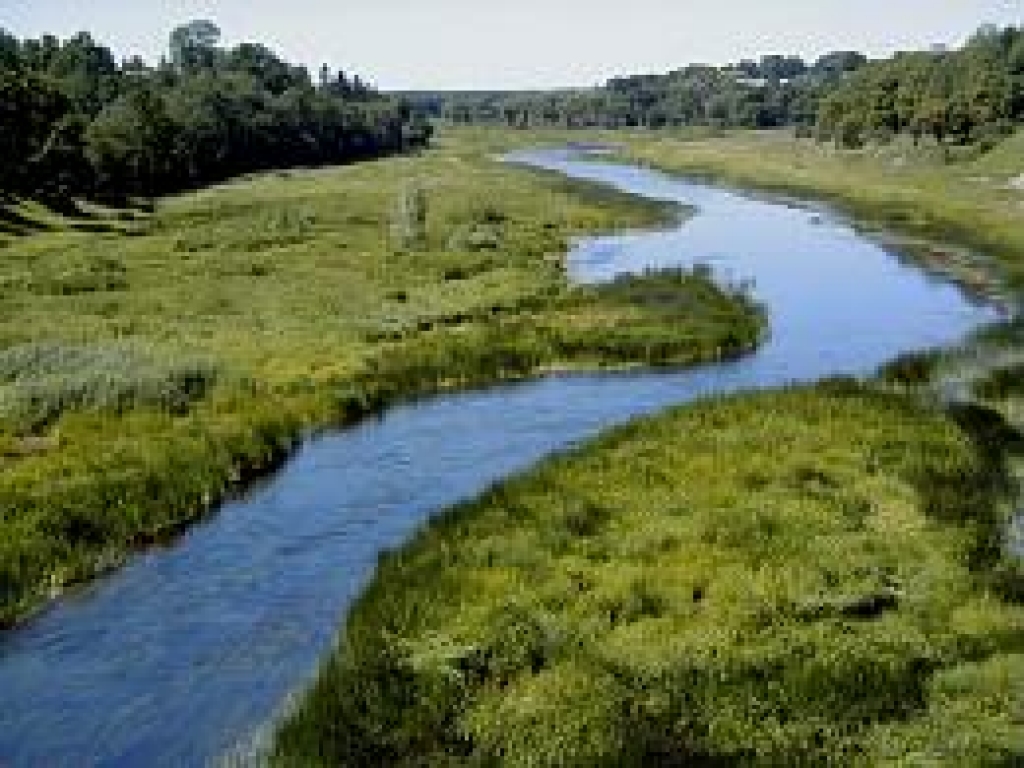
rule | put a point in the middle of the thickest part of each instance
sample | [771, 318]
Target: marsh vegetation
[152, 366]
[815, 575]
[682, 590]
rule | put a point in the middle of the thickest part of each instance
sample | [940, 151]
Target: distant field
[973, 201]
[149, 362]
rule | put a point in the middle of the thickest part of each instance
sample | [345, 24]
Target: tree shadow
[13, 222]
[122, 210]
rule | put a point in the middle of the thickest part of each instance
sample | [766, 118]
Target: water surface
[176, 657]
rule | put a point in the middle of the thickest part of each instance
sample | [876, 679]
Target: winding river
[188, 650]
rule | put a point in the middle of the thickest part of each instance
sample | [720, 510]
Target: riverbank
[902, 190]
[681, 587]
[970, 203]
[152, 367]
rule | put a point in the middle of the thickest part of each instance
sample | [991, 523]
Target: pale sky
[477, 44]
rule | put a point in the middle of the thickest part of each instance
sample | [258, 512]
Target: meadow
[154, 359]
[680, 591]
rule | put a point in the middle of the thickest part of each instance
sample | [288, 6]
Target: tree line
[966, 95]
[975, 94]
[75, 121]
[771, 92]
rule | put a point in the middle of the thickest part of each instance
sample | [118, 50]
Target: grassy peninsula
[681, 591]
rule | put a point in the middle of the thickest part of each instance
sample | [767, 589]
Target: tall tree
[193, 46]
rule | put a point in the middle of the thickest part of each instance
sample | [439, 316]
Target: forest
[973, 94]
[76, 122]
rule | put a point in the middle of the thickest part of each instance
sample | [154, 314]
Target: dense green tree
[194, 45]
[32, 117]
[130, 142]
[838, 63]
[972, 95]
[86, 73]
[775, 67]
[72, 121]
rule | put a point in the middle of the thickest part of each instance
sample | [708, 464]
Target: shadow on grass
[950, 498]
[13, 222]
[76, 218]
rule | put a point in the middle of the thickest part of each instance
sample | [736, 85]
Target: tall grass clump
[409, 218]
[659, 318]
[681, 591]
[39, 382]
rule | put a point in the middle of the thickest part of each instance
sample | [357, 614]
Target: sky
[519, 44]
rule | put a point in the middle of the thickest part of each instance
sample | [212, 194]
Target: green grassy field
[681, 591]
[152, 362]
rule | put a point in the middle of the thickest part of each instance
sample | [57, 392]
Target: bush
[1001, 383]
[39, 382]
[912, 369]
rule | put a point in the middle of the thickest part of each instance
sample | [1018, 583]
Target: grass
[40, 382]
[681, 591]
[678, 590]
[670, 317]
[150, 363]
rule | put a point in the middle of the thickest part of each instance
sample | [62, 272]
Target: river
[187, 650]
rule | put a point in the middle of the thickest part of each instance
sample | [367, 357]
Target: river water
[187, 650]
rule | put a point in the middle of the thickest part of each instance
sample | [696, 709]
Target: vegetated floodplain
[150, 366]
[683, 590]
[938, 205]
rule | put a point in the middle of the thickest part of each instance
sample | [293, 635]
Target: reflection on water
[176, 657]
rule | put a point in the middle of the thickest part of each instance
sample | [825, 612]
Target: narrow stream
[181, 654]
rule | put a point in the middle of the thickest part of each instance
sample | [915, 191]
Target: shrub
[39, 382]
